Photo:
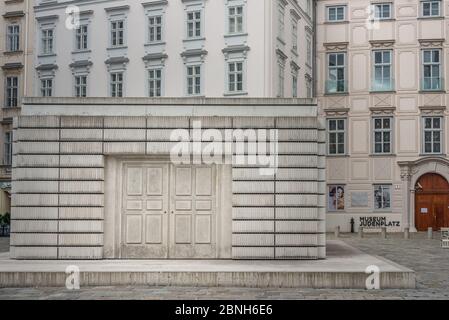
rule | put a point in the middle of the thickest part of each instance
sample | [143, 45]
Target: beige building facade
[382, 67]
[16, 49]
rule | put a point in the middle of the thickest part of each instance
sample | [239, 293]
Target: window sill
[336, 93]
[11, 53]
[431, 91]
[431, 18]
[232, 35]
[11, 108]
[154, 43]
[337, 155]
[117, 48]
[443, 155]
[232, 94]
[194, 39]
[45, 55]
[386, 155]
[382, 20]
[336, 22]
[382, 91]
[81, 51]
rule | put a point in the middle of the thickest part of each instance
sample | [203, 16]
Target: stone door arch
[411, 172]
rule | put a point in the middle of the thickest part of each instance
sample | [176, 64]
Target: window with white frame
[431, 69]
[46, 87]
[294, 85]
[382, 73]
[235, 19]
[309, 51]
[47, 38]
[194, 80]
[117, 33]
[155, 82]
[294, 35]
[116, 84]
[194, 24]
[432, 135]
[336, 129]
[336, 79]
[281, 21]
[382, 11]
[12, 91]
[336, 13]
[235, 76]
[382, 197]
[81, 86]
[155, 28]
[7, 149]
[382, 135]
[336, 198]
[13, 38]
[81, 35]
[309, 88]
[281, 79]
[431, 8]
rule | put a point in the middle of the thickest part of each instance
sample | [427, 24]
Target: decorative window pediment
[431, 42]
[383, 111]
[333, 112]
[382, 43]
[336, 46]
[433, 110]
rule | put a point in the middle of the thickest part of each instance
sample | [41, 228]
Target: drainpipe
[25, 62]
[314, 44]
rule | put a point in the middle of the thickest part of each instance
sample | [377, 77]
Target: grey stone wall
[58, 184]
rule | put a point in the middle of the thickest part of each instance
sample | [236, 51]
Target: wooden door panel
[432, 196]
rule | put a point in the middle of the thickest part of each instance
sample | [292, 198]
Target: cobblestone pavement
[426, 257]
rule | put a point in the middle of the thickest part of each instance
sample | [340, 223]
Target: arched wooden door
[431, 202]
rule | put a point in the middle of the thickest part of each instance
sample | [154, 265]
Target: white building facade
[174, 48]
[382, 67]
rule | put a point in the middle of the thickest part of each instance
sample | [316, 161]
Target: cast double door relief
[168, 211]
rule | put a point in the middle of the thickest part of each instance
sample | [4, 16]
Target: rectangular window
[336, 198]
[431, 8]
[12, 91]
[81, 86]
[294, 35]
[117, 84]
[47, 41]
[235, 19]
[235, 76]
[431, 70]
[281, 21]
[309, 88]
[382, 80]
[46, 87]
[281, 80]
[309, 51]
[382, 197]
[117, 33]
[155, 82]
[13, 38]
[194, 80]
[81, 38]
[432, 134]
[295, 86]
[336, 136]
[155, 28]
[7, 156]
[336, 13]
[194, 24]
[336, 79]
[382, 11]
[382, 135]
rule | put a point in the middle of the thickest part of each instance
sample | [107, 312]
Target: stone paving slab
[345, 267]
